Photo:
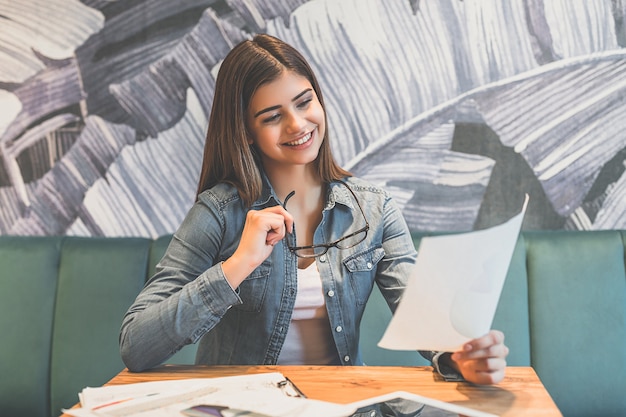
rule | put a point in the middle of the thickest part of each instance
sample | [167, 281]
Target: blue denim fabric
[188, 300]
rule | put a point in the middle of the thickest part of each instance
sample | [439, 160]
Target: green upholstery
[512, 315]
[28, 282]
[94, 291]
[62, 299]
[373, 325]
[577, 314]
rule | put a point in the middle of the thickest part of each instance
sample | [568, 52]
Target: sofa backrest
[28, 282]
[562, 308]
[98, 279]
[577, 299]
[63, 299]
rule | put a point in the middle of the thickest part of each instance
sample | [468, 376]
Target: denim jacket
[189, 300]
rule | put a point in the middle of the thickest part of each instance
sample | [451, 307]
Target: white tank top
[309, 340]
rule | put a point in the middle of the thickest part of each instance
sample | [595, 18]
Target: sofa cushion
[512, 315]
[577, 291]
[98, 280]
[376, 317]
[27, 287]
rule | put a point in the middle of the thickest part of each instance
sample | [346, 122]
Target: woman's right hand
[262, 230]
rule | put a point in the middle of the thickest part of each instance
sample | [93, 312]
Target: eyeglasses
[346, 242]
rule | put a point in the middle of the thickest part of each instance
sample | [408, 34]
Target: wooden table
[521, 393]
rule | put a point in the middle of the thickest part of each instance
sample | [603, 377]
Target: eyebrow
[260, 112]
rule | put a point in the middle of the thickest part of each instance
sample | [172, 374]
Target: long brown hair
[228, 157]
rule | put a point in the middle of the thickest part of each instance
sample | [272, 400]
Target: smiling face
[286, 121]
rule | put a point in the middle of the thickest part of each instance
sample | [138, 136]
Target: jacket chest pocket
[253, 289]
[362, 270]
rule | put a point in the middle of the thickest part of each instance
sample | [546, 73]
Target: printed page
[454, 289]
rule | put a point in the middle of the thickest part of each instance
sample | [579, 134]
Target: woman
[276, 259]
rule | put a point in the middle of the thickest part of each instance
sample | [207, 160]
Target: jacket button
[323, 258]
[338, 329]
[331, 293]
[369, 265]
[346, 358]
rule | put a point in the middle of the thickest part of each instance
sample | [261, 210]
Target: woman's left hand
[483, 360]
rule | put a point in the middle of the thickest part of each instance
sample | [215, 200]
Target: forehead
[281, 90]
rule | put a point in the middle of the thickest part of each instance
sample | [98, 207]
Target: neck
[302, 179]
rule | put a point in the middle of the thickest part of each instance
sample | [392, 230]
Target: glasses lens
[352, 240]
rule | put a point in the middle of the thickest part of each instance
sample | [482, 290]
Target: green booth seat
[562, 309]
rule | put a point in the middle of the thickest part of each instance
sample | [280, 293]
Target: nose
[295, 122]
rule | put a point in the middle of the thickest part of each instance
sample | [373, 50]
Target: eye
[271, 118]
[305, 103]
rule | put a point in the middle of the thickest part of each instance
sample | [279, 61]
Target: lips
[302, 140]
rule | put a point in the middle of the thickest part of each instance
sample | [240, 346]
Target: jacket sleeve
[187, 296]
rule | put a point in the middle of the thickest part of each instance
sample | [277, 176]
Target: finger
[486, 371]
[490, 366]
[275, 228]
[269, 219]
[489, 346]
[287, 218]
[487, 365]
[261, 227]
[494, 337]
[496, 351]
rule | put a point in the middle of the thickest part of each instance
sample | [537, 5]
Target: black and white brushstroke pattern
[457, 107]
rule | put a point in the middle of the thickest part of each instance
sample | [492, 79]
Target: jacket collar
[337, 193]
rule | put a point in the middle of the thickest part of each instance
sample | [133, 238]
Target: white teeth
[300, 141]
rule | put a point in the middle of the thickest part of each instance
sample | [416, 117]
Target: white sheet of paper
[453, 291]
[256, 393]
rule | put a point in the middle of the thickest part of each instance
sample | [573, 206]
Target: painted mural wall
[457, 107]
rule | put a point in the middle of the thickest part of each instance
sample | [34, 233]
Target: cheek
[322, 124]
[255, 134]
[265, 137]
[321, 128]
[320, 116]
